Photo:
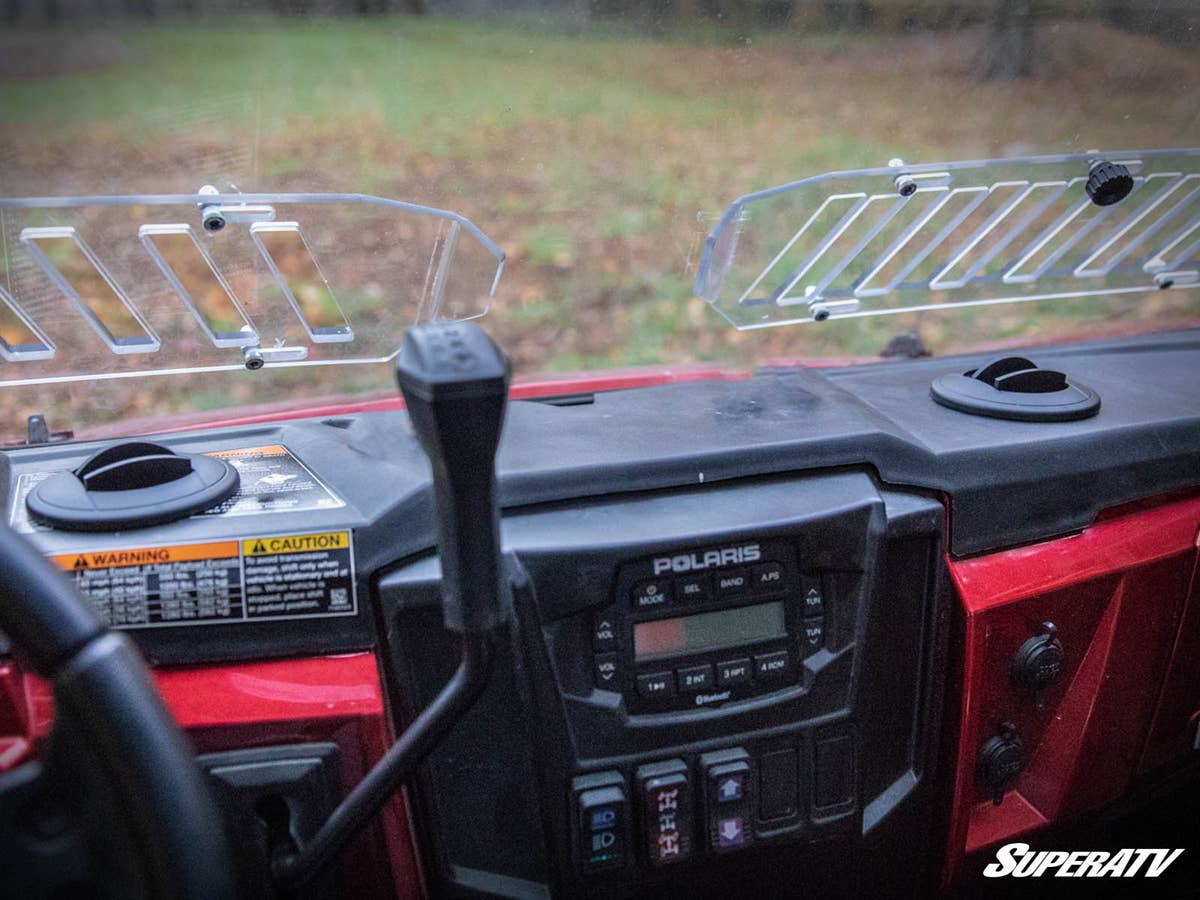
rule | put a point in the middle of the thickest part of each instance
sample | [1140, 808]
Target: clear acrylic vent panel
[906, 237]
[106, 287]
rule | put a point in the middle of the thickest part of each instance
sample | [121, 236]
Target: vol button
[604, 634]
[608, 670]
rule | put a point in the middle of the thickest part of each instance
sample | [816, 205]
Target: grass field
[598, 161]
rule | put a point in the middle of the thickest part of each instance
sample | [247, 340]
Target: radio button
[656, 684]
[733, 672]
[608, 671]
[772, 666]
[693, 588]
[695, 679]
[768, 577]
[652, 593]
[604, 633]
[813, 595]
[814, 636]
[734, 583]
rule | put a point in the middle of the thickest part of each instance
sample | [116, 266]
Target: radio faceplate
[702, 627]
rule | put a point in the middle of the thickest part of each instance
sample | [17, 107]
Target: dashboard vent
[1013, 387]
[130, 485]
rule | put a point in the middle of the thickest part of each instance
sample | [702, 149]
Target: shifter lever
[455, 383]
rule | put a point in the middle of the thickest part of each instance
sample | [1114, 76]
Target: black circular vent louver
[132, 485]
[1013, 387]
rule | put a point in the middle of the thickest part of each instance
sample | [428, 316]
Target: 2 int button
[695, 679]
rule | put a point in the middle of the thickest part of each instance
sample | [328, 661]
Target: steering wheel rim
[100, 680]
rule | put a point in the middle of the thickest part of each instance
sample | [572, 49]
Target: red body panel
[336, 699]
[1118, 593]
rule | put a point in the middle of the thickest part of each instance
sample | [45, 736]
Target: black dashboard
[730, 627]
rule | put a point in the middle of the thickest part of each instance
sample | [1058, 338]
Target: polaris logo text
[1018, 861]
[689, 562]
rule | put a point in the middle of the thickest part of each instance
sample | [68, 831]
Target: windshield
[596, 146]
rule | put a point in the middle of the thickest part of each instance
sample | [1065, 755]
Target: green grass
[597, 158]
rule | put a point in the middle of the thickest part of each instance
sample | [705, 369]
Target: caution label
[297, 543]
[249, 579]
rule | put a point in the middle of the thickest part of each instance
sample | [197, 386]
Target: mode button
[652, 593]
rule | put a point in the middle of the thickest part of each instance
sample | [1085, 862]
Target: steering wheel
[116, 803]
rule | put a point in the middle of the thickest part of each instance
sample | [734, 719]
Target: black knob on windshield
[1108, 183]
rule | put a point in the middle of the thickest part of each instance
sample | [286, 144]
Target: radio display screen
[709, 631]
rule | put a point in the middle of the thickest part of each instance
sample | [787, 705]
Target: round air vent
[132, 485]
[1013, 387]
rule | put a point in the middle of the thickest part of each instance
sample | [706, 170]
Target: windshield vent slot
[301, 281]
[20, 338]
[76, 271]
[194, 276]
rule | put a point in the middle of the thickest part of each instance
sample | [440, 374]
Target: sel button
[693, 588]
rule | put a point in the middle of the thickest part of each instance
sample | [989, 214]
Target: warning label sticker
[292, 576]
[271, 478]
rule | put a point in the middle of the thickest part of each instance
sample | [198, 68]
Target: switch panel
[665, 794]
[730, 797]
[601, 821]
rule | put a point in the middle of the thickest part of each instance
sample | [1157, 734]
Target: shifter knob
[455, 384]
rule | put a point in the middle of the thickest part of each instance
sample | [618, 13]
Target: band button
[733, 583]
